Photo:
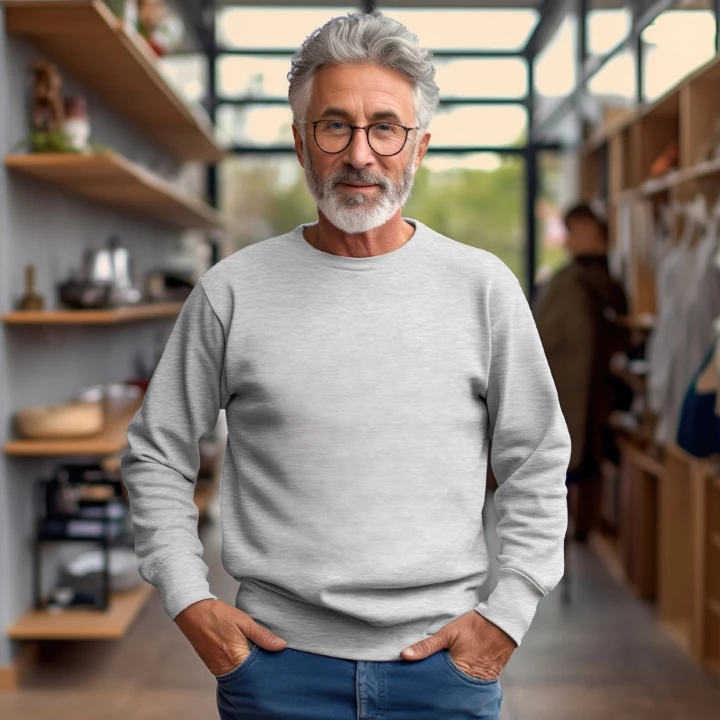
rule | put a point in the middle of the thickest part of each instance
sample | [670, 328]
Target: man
[574, 313]
[365, 364]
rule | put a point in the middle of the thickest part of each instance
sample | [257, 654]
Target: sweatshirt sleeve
[161, 464]
[529, 455]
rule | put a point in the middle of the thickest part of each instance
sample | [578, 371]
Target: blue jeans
[292, 684]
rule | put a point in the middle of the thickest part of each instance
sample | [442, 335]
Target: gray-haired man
[369, 368]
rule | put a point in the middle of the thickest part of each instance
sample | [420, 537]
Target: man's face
[583, 236]
[357, 189]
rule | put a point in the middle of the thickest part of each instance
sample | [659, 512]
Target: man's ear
[422, 150]
[297, 135]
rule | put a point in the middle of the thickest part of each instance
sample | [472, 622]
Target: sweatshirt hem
[315, 629]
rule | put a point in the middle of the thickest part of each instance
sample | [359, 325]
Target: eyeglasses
[333, 136]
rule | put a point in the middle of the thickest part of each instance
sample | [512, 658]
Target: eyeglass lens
[384, 138]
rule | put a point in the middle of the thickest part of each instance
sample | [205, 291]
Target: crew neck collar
[303, 247]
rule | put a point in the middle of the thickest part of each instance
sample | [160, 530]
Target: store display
[81, 503]
[104, 282]
[66, 420]
[699, 426]
[688, 289]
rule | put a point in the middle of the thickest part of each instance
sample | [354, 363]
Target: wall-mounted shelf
[110, 440]
[88, 41]
[93, 317]
[110, 179]
[81, 623]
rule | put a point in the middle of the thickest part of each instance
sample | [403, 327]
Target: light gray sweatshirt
[363, 398]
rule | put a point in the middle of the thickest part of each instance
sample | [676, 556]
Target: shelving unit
[640, 478]
[110, 179]
[110, 440]
[83, 624]
[93, 317]
[88, 41]
[669, 545]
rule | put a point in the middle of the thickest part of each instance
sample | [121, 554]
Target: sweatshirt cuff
[512, 604]
[176, 601]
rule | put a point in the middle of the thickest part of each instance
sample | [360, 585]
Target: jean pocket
[463, 675]
[238, 669]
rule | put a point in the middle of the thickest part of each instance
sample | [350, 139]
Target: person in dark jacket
[574, 312]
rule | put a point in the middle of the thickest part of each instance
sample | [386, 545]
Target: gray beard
[356, 213]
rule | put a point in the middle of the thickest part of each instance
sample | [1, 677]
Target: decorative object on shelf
[161, 29]
[81, 504]
[667, 160]
[77, 124]
[105, 281]
[48, 114]
[31, 300]
[125, 10]
[66, 420]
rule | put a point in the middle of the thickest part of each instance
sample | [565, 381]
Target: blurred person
[369, 368]
[574, 311]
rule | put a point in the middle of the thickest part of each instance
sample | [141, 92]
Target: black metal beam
[552, 13]
[197, 20]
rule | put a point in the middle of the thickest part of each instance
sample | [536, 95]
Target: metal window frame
[201, 14]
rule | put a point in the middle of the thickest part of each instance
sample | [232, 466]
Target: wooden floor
[601, 657]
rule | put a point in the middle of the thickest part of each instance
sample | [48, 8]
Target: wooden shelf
[83, 624]
[112, 439]
[640, 458]
[88, 41]
[93, 317]
[110, 179]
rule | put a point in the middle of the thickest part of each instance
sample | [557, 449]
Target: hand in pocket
[218, 633]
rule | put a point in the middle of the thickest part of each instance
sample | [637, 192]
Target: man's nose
[359, 153]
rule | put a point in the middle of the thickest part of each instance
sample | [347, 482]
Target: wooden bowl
[74, 419]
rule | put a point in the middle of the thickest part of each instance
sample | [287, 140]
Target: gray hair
[362, 38]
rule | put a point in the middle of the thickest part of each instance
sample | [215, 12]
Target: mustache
[359, 175]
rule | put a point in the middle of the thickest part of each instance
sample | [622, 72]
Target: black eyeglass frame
[353, 128]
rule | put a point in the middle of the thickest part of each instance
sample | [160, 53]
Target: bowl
[68, 420]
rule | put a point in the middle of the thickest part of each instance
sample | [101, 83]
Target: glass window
[266, 195]
[482, 77]
[675, 44]
[187, 74]
[255, 125]
[611, 92]
[559, 189]
[277, 27]
[607, 28]
[484, 125]
[617, 78]
[556, 63]
[249, 76]
[474, 198]
[481, 29]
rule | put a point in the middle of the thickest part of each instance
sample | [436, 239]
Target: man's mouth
[358, 185]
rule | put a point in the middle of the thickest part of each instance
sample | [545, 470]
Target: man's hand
[217, 631]
[477, 646]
